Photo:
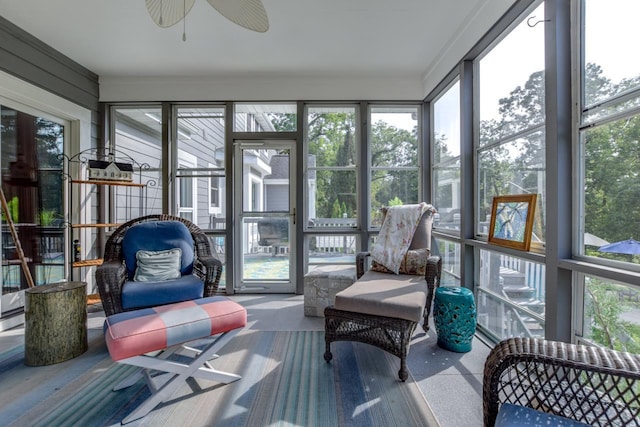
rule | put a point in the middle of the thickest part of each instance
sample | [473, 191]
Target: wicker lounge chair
[113, 273]
[588, 384]
[384, 309]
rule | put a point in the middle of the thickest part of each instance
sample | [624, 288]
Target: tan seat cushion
[401, 296]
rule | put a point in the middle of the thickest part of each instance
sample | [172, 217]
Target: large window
[510, 159]
[200, 170]
[609, 168]
[332, 159]
[611, 312]
[332, 186]
[446, 159]
[511, 146]
[33, 224]
[138, 135]
[511, 296]
[394, 177]
[446, 178]
[609, 133]
[265, 117]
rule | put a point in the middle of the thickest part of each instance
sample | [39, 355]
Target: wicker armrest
[432, 277]
[589, 384]
[110, 276]
[208, 269]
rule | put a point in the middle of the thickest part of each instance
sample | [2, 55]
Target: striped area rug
[285, 382]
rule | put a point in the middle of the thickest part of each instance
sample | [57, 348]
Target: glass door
[265, 213]
[32, 220]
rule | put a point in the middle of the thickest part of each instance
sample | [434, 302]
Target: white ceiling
[410, 44]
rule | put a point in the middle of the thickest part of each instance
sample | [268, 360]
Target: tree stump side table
[55, 323]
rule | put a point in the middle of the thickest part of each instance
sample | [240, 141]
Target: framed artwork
[512, 221]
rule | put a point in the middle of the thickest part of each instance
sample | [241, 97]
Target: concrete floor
[451, 382]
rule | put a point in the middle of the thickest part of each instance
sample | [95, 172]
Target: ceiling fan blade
[249, 14]
[166, 13]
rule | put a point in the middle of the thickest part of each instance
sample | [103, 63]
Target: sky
[510, 63]
[610, 27]
[399, 120]
[609, 23]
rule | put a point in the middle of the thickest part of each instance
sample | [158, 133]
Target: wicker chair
[112, 274]
[588, 384]
[391, 334]
[375, 310]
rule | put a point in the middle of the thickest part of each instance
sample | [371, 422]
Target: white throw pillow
[157, 266]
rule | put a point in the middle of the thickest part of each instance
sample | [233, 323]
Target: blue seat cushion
[522, 416]
[151, 294]
[158, 236]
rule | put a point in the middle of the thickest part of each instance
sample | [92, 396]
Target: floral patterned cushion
[396, 234]
[414, 262]
[422, 235]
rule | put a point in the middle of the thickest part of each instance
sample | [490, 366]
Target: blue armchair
[156, 260]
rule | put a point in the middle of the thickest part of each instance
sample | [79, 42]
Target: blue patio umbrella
[630, 247]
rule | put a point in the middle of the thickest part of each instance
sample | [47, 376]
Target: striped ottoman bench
[166, 330]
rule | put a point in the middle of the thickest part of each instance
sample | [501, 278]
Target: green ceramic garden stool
[454, 314]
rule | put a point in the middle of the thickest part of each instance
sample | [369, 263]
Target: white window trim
[186, 160]
[214, 210]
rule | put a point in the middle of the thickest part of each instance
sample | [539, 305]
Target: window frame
[452, 161]
[418, 168]
[309, 170]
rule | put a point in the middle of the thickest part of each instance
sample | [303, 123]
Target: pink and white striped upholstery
[168, 328]
[133, 333]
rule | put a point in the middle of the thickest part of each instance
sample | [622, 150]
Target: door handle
[294, 216]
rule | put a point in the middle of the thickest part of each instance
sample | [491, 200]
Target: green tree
[331, 143]
[395, 202]
[612, 185]
[49, 141]
[335, 210]
[283, 122]
[611, 155]
[44, 153]
[393, 148]
[607, 327]
[514, 166]
[612, 159]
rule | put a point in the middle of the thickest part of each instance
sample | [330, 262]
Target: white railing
[334, 243]
[503, 314]
[333, 223]
[533, 272]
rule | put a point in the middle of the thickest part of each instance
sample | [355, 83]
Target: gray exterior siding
[33, 61]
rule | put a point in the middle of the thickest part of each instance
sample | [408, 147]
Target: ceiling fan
[249, 14]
